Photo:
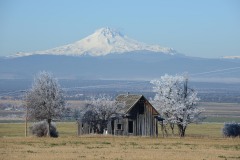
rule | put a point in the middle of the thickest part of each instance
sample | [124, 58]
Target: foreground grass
[203, 141]
[118, 148]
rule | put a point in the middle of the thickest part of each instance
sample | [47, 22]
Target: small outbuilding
[136, 117]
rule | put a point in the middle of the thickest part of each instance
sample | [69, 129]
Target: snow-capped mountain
[231, 57]
[102, 42]
[114, 56]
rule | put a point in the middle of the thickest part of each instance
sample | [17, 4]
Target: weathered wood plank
[142, 117]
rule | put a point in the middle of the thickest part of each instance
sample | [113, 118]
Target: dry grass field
[203, 141]
[102, 147]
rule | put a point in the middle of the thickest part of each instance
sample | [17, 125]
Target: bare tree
[176, 101]
[91, 118]
[100, 109]
[45, 99]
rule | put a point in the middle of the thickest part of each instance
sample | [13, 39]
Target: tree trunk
[181, 130]
[172, 128]
[26, 125]
[49, 125]
[26, 130]
[162, 128]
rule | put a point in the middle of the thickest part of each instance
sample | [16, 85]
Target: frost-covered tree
[76, 113]
[45, 100]
[102, 108]
[176, 101]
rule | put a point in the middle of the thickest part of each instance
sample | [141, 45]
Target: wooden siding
[142, 115]
[83, 128]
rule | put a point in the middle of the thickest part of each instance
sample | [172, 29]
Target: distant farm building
[137, 117]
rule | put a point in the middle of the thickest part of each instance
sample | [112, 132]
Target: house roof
[129, 101]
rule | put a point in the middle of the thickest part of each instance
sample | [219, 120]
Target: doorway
[130, 127]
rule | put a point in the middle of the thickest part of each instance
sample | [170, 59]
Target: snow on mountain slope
[231, 57]
[102, 42]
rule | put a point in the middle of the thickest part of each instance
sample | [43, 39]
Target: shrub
[39, 129]
[231, 129]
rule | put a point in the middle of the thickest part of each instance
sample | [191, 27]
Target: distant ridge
[127, 66]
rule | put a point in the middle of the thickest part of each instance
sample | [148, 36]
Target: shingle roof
[129, 101]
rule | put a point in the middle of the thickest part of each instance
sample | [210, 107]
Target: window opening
[119, 126]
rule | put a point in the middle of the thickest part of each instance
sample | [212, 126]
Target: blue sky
[203, 28]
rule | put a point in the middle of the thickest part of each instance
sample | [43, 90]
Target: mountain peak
[108, 32]
[102, 42]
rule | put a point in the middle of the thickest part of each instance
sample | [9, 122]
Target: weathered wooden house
[137, 117]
